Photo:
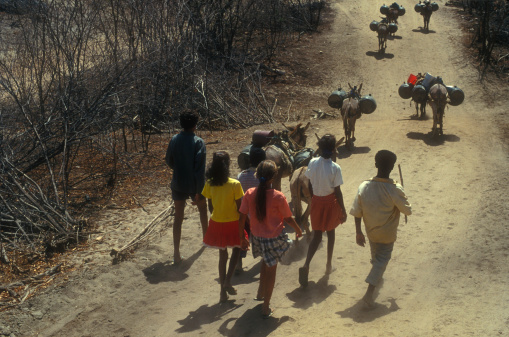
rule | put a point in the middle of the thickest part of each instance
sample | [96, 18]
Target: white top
[324, 175]
[379, 202]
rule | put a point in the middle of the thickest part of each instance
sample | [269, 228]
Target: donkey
[280, 151]
[350, 112]
[437, 99]
[300, 191]
[383, 32]
[426, 12]
[420, 106]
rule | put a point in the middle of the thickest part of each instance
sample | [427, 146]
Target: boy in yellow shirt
[378, 203]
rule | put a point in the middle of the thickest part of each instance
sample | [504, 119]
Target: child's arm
[339, 199]
[244, 242]
[291, 221]
[359, 236]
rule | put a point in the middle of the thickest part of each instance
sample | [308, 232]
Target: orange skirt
[222, 235]
[325, 213]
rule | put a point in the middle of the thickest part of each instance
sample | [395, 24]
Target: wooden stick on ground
[118, 254]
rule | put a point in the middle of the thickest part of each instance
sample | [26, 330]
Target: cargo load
[419, 94]
[456, 95]
[367, 104]
[336, 98]
[405, 90]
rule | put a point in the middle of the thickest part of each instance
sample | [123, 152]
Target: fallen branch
[9, 288]
[120, 254]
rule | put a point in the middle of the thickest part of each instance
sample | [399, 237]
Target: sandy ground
[449, 272]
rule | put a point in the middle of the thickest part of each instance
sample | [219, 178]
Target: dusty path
[449, 273]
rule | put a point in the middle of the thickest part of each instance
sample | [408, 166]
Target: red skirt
[325, 213]
[222, 235]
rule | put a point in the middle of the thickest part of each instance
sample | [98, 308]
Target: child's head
[265, 172]
[327, 146]
[385, 160]
[256, 156]
[219, 170]
[188, 119]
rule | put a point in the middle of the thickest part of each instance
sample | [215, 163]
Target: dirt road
[449, 272]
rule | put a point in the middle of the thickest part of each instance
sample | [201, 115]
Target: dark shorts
[176, 195]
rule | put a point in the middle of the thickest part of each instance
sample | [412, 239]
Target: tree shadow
[343, 152]
[360, 314]
[423, 31]
[251, 323]
[379, 56]
[170, 272]
[314, 293]
[428, 139]
[206, 315]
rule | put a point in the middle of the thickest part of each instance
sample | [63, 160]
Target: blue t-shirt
[186, 155]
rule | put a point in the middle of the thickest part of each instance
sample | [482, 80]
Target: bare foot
[368, 302]
[303, 276]
[223, 297]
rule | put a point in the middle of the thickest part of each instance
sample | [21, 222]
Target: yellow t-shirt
[223, 200]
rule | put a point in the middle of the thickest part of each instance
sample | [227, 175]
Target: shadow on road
[395, 37]
[252, 324]
[314, 293]
[170, 272]
[432, 141]
[206, 315]
[380, 56]
[360, 314]
[423, 31]
[343, 152]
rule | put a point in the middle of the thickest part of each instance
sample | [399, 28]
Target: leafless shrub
[78, 77]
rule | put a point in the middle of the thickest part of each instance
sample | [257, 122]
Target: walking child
[248, 180]
[268, 210]
[186, 155]
[224, 195]
[378, 203]
[327, 206]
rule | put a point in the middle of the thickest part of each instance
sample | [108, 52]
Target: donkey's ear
[306, 127]
[360, 87]
[350, 86]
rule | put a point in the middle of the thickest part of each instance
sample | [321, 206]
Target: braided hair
[265, 172]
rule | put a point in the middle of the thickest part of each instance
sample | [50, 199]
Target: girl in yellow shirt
[224, 195]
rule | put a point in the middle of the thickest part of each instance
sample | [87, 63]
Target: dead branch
[9, 288]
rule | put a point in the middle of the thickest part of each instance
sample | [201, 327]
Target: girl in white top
[327, 207]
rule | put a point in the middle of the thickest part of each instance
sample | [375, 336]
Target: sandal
[230, 290]
[266, 316]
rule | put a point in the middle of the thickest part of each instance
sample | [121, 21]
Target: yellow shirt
[379, 202]
[224, 200]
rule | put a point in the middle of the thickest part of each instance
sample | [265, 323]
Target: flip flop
[269, 315]
[303, 276]
[230, 290]
[259, 299]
